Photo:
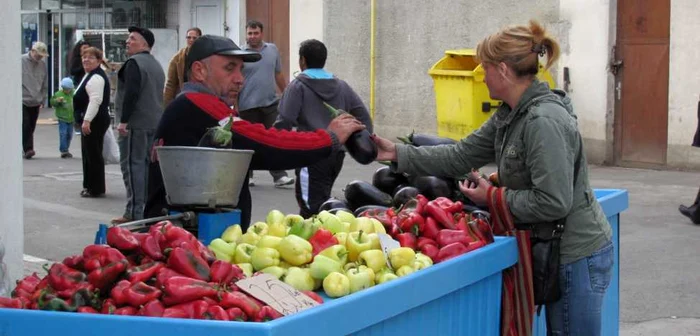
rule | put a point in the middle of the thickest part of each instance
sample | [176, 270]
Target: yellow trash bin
[461, 96]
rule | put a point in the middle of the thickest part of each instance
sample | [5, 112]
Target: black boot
[691, 212]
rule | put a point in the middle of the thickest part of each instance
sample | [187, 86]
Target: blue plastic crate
[461, 296]
[613, 202]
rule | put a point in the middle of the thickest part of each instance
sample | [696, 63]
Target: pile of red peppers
[165, 272]
[437, 228]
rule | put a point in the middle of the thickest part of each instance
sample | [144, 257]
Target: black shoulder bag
[545, 240]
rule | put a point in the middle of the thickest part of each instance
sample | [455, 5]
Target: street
[660, 253]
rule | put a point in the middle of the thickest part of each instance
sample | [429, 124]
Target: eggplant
[360, 144]
[404, 195]
[419, 140]
[399, 187]
[432, 187]
[332, 203]
[359, 193]
[335, 210]
[386, 180]
[364, 208]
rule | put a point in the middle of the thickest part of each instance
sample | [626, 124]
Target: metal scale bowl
[203, 184]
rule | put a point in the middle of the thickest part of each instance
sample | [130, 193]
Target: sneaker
[29, 154]
[251, 182]
[284, 181]
[66, 155]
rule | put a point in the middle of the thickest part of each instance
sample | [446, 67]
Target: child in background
[62, 101]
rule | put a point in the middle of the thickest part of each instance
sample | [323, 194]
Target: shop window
[30, 4]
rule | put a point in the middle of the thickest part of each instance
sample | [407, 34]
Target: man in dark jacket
[302, 107]
[139, 106]
[215, 79]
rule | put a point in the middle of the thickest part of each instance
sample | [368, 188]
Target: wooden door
[641, 84]
[274, 15]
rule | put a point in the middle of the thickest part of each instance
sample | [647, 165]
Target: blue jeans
[583, 284]
[65, 135]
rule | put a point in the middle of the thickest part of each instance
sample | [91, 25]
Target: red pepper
[210, 301]
[68, 293]
[108, 307]
[390, 213]
[117, 293]
[217, 313]
[164, 274]
[20, 293]
[431, 251]
[94, 251]
[446, 237]
[27, 285]
[61, 277]
[313, 296]
[126, 311]
[321, 240]
[153, 308]
[204, 251]
[222, 272]
[87, 310]
[236, 314]
[121, 238]
[188, 264]
[455, 208]
[394, 230]
[475, 245]
[424, 241]
[422, 202]
[381, 215]
[247, 304]
[431, 228]
[111, 255]
[267, 313]
[441, 216]
[193, 310]
[461, 221]
[407, 239]
[140, 293]
[443, 202]
[144, 272]
[411, 222]
[105, 276]
[10, 303]
[451, 251]
[75, 262]
[180, 289]
[151, 247]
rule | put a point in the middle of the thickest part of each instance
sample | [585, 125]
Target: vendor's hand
[475, 191]
[86, 127]
[386, 150]
[121, 128]
[345, 125]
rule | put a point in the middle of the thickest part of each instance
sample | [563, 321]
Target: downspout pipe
[372, 27]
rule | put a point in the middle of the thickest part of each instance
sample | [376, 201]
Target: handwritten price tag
[282, 297]
[387, 244]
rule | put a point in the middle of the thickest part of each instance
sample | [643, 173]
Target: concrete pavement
[660, 249]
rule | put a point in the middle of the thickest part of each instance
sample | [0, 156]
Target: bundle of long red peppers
[165, 272]
[437, 228]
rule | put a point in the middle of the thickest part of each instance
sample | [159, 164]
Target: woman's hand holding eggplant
[386, 149]
[475, 188]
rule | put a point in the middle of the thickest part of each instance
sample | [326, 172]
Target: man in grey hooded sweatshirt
[302, 107]
[34, 92]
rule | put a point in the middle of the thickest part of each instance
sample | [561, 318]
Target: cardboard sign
[387, 244]
[282, 297]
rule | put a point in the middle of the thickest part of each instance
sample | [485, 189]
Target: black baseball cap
[208, 45]
[146, 33]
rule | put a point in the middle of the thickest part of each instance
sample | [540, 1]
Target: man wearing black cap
[139, 106]
[215, 79]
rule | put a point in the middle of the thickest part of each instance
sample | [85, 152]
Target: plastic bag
[110, 150]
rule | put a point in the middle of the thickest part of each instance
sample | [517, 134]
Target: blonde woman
[533, 137]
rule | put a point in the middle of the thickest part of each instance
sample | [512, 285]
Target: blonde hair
[519, 47]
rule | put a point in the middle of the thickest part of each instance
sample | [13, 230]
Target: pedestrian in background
[258, 99]
[139, 106]
[90, 105]
[302, 106]
[34, 92]
[62, 102]
[177, 75]
[692, 211]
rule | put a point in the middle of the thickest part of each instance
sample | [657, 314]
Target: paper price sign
[282, 297]
[387, 244]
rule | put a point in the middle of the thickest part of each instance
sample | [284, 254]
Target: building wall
[311, 27]
[584, 33]
[684, 84]
[11, 213]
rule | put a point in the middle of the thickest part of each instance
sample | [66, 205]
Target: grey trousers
[135, 153]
